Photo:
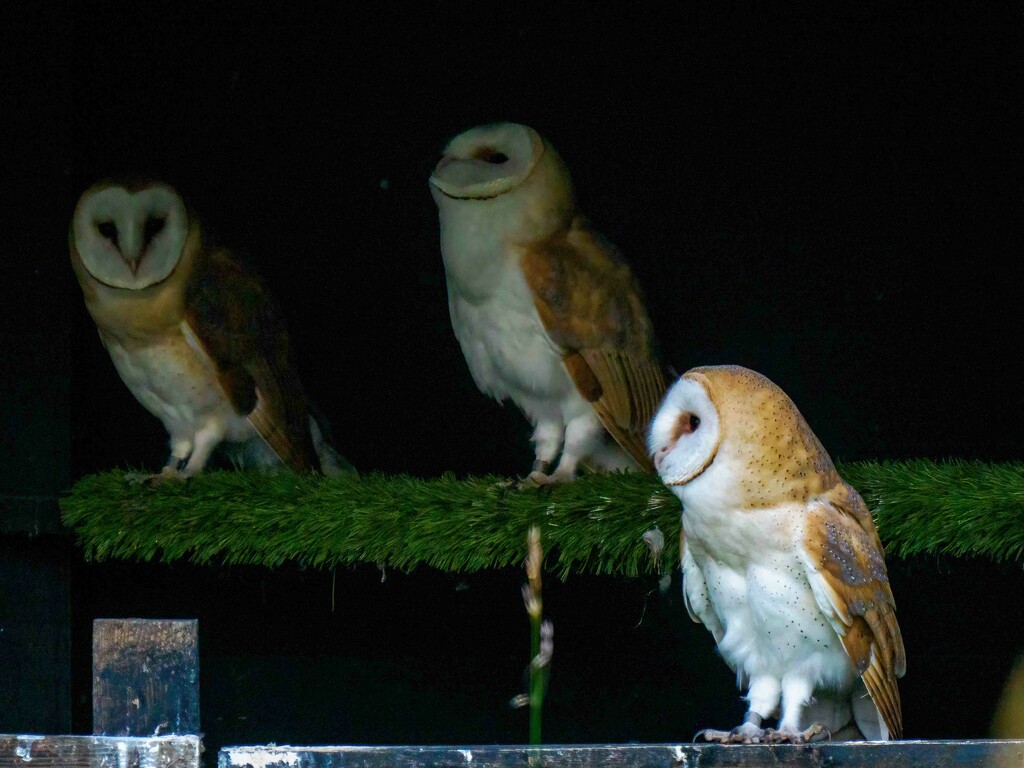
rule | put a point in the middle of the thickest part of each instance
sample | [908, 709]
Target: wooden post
[23, 751]
[145, 677]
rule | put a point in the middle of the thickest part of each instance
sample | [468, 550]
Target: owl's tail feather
[853, 717]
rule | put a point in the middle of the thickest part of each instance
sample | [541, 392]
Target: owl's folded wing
[592, 308]
[242, 330]
[845, 565]
[695, 592]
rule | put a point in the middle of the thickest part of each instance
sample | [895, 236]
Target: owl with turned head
[781, 562]
[193, 333]
[545, 309]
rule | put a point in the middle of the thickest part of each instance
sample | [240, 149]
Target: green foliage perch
[595, 525]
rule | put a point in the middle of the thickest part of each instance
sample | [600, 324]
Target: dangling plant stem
[541, 633]
[539, 676]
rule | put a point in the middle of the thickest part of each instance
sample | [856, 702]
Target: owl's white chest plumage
[497, 325]
[176, 381]
[744, 567]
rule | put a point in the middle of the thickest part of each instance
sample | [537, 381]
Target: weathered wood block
[99, 752]
[935, 754]
[145, 677]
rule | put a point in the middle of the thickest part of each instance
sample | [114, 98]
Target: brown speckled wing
[239, 324]
[846, 567]
[592, 308]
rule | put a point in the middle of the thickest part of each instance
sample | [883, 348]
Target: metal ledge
[934, 754]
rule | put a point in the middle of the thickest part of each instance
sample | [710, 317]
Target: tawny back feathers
[762, 500]
[194, 334]
[538, 298]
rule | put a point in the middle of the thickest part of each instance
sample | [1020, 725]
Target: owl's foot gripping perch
[173, 470]
[750, 732]
[541, 476]
[539, 479]
[816, 732]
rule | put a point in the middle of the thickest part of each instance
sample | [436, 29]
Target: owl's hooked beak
[443, 163]
[133, 247]
[659, 455]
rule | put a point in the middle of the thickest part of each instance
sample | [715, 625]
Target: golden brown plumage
[849, 565]
[546, 311]
[241, 327]
[195, 335]
[781, 559]
[591, 307]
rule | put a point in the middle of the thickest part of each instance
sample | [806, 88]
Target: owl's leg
[181, 449]
[763, 699]
[188, 456]
[582, 435]
[796, 695]
[205, 440]
[547, 441]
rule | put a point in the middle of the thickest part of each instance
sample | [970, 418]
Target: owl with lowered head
[545, 309]
[781, 562]
[193, 333]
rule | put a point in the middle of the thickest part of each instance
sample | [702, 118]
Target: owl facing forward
[781, 561]
[194, 335]
[545, 310]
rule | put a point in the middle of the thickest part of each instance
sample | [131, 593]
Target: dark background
[830, 196]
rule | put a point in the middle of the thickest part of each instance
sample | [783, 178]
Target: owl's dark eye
[154, 225]
[108, 230]
[686, 424]
[490, 155]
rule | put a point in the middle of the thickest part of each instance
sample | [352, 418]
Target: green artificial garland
[594, 525]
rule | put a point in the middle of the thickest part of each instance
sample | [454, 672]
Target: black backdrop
[831, 196]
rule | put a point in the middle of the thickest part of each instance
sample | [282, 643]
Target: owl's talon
[538, 479]
[747, 733]
[541, 466]
[534, 480]
[710, 735]
[542, 478]
[151, 479]
[743, 734]
[816, 732]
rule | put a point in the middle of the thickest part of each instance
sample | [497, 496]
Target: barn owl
[194, 335]
[780, 561]
[545, 310]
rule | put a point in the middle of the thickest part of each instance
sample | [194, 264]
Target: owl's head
[502, 163]
[738, 425]
[129, 236]
[685, 434]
